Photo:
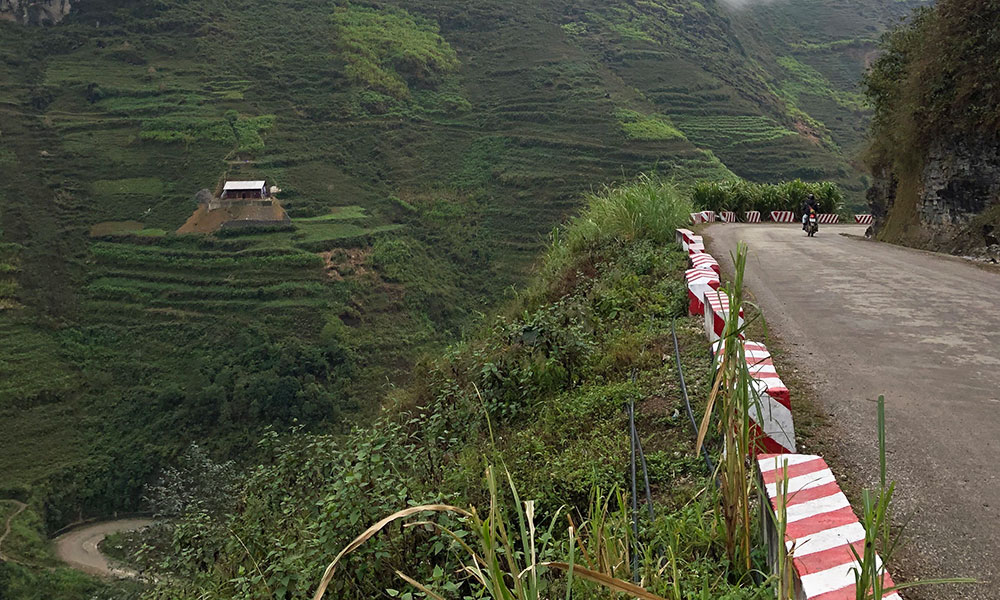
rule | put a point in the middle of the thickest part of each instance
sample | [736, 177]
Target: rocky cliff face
[954, 206]
[35, 12]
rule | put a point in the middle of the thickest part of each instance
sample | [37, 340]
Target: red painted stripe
[808, 495]
[761, 443]
[821, 522]
[695, 307]
[812, 466]
[827, 559]
[781, 395]
[849, 592]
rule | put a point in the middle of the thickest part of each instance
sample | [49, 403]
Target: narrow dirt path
[78, 547]
[20, 509]
[860, 319]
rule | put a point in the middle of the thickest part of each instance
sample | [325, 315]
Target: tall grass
[509, 559]
[880, 542]
[735, 396]
[648, 208]
[741, 196]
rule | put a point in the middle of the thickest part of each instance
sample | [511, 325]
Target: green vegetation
[539, 390]
[460, 133]
[740, 196]
[9, 266]
[638, 126]
[386, 48]
[807, 80]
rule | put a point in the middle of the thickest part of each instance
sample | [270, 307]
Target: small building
[241, 204]
[244, 190]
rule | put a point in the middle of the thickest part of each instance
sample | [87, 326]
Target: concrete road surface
[860, 319]
[78, 547]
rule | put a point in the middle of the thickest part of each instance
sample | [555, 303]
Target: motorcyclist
[810, 205]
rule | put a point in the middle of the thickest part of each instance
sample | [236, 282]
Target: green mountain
[424, 151]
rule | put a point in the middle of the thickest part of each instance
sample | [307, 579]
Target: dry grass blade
[707, 419]
[371, 531]
[612, 583]
[418, 585]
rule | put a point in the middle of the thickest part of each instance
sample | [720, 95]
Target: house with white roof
[244, 190]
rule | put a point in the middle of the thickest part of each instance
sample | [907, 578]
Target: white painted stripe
[830, 503]
[804, 482]
[832, 579]
[826, 539]
[778, 462]
[776, 421]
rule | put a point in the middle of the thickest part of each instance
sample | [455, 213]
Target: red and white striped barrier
[727, 216]
[782, 216]
[864, 219]
[707, 216]
[828, 219]
[820, 529]
[681, 235]
[690, 240]
[700, 281]
[705, 261]
[752, 216]
[696, 218]
[696, 248]
[772, 421]
[716, 314]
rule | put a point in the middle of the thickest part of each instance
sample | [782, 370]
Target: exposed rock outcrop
[35, 12]
[956, 197]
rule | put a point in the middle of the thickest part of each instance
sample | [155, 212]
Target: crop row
[131, 255]
[109, 286]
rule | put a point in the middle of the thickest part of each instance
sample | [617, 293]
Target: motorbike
[812, 224]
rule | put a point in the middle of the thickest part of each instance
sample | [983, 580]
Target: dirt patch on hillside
[346, 262]
[115, 227]
[210, 221]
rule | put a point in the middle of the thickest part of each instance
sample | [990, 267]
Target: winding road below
[78, 547]
[862, 318]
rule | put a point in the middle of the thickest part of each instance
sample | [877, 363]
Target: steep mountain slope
[424, 150]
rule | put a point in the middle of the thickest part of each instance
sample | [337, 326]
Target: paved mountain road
[862, 319]
[78, 547]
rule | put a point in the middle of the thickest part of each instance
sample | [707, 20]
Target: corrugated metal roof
[243, 185]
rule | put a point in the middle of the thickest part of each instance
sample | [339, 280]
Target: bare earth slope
[863, 319]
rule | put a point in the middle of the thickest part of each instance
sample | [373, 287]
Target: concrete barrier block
[821, 528]
[700, 281]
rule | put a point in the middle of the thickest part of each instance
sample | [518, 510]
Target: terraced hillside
[424, 150]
